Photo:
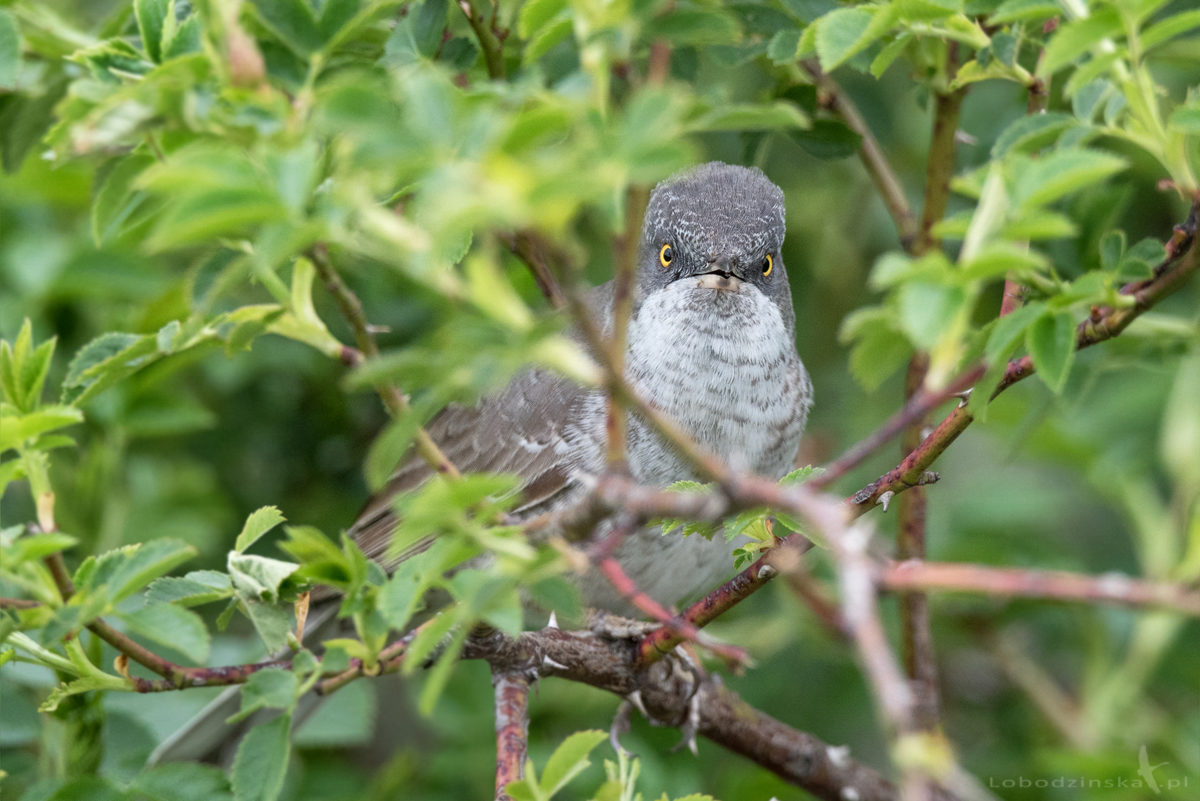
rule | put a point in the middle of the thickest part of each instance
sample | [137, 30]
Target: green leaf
[1112, 248]
[927, 310]
[151, 15]
[259, 576]
[711, 26]
[783, 46]
[427, 640]
[1140, 260]
[780, 115]
[10, 50]
[195, 588]
[124, 571]
[925, 10]
[843, 34]
[1077, 37]
[182, 781]
[1010, 328]
[271, 688]
[199, 216]
[104, 361]
[271, 623]
[1000, 257]
[536, 14]
[117, 200]
[1032, 132]
[827, 139]
[569, 760]
[16, 430]
[1169, 28]
[171, 626]
[257, 524]
[294, 23]
[1044, 180]
[1019, 10]
[32, 547]
[1051, 343]
[1185, 119]
[890, 53]
[261, 762]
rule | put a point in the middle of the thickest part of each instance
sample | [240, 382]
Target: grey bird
[711, 343]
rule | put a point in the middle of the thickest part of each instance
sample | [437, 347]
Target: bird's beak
[720, 280]
[722, 277]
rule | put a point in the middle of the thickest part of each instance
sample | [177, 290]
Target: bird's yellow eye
[665, 254]
[768, 265]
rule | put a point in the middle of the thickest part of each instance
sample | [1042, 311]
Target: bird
[710, 344]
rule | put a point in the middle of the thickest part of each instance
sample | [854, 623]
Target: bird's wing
[522, 430]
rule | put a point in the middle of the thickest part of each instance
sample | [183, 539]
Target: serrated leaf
[1051, 343]
[261, 762]
[843, 34]
[124, 571]
[182, 781]
[1077, 37]
[783, 46]
[1032, 132]
[271, 688]
[151, 15]
[1046, 179]
[570, 759]
[257, 524]
[195, 588]
[172, 626]
[258, 576]
[1169, 28]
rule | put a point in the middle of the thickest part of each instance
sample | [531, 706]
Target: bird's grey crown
[716, 209]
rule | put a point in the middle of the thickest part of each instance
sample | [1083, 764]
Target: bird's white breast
[723, 365]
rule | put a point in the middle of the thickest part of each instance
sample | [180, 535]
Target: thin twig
[395, 400]
[491, 42]
[1058, 585]
[878, 167]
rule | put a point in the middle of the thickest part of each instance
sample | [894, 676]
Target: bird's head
[715, 230]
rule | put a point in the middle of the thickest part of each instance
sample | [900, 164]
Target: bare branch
[512, 727]
[1059, 585]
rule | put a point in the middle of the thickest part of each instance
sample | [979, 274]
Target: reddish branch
[512, 727]
[1059, 585]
